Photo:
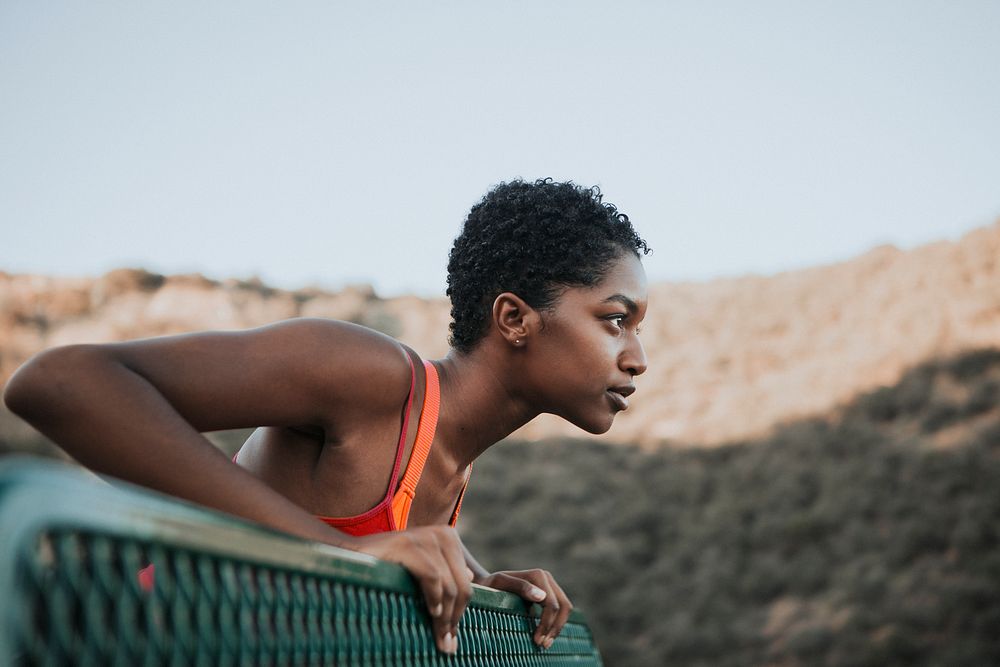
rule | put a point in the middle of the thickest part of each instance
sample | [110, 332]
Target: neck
[479, 406]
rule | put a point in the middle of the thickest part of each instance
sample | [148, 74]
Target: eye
[618, 319]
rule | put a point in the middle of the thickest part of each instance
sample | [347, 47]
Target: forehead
[625, 279]
[628, 274]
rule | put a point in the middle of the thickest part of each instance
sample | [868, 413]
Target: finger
[456, 587]
[433, 584]
[432, 575]
[444, 631]
[419, 552]
[462, 575]
[443, 634]
[531, 585]
[565, 607]
[550, 607]
[522, 587]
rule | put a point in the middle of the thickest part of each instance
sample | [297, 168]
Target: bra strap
[458, 505]
[421, 448]
[401, 445]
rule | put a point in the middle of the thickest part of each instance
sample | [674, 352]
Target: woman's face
[588, 351]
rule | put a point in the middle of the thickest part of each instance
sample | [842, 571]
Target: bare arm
[136, 411]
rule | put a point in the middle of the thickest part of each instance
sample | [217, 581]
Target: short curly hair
[535, 240]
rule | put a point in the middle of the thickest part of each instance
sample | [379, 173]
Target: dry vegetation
[856, 539]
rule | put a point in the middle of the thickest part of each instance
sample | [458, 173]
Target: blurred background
[810, 473]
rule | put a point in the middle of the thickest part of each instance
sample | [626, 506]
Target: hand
[435, 557]
[536, 586]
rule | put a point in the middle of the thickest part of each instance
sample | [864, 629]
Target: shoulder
[345, 336]
[351, 365]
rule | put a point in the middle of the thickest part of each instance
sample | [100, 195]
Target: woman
[547, 293]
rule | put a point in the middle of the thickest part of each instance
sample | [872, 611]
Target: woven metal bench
[93, 573]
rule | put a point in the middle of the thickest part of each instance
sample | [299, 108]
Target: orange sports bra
[393, 511]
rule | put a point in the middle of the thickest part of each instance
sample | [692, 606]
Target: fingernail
[438, 610]
[537, 594]
[454, 644]
[549, 641]
[446, 643]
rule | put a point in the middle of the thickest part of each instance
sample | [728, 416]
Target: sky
[334, 143]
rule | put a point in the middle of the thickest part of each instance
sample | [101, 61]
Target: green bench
[109, 574]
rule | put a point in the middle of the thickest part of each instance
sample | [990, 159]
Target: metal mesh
[97, 595]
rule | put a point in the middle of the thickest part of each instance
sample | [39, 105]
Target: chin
[595, 427]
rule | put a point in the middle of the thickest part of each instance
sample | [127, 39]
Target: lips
[619, 395]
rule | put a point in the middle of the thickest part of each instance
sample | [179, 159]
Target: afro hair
[535, 240]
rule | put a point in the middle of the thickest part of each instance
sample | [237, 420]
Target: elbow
[22, 389]
[32, 389]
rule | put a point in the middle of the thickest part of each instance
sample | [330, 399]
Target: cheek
[585, 359]
[579, 348]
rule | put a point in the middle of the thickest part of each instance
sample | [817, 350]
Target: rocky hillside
[867, 537]
[728, 359]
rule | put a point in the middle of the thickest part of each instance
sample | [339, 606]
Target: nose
[633, 359]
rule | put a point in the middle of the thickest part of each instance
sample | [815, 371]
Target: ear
[514, 318]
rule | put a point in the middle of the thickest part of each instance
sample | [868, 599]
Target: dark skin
[327, 398]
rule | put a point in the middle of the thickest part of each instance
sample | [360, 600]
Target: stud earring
[517, 341]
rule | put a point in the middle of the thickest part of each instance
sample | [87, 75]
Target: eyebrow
[629, 304]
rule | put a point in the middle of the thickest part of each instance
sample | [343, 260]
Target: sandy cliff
[727, 359]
